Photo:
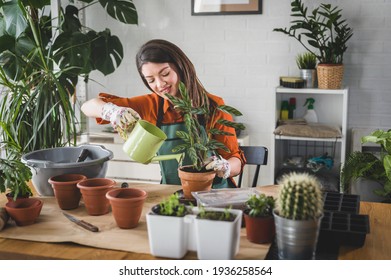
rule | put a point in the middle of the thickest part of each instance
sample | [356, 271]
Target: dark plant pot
[66, 191]
[126, 205]
[94, 192]
[24, 212]
[10, 197]
[259, 229]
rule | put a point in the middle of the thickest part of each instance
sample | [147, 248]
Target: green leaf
[15, 22]
[122, 10]
[229, 110]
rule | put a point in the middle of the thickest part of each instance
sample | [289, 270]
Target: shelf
[281, 137]
[310, 90]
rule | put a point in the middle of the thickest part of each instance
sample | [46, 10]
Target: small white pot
[218, 240]
[168, 236]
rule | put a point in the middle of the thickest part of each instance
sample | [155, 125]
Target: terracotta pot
[126, 205]
[24, 212]
[260, 229]
[94, 192]
[65, 190]
[195, 181]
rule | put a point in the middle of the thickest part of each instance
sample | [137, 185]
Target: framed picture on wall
[225, 7]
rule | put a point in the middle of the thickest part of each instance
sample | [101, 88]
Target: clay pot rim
[108, 183]
[180, 169]
[142, 194]
[9, 205]
[54, 179]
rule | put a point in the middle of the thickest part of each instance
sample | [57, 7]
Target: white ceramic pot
[218, 240]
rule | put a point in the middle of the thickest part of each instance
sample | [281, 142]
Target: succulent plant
[300, 197]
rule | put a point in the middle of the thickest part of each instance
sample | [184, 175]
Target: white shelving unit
[331, 107]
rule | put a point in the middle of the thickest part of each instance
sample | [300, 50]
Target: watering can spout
[178, 157]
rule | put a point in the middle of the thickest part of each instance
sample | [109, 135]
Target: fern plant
[366, 165]
[199, 142]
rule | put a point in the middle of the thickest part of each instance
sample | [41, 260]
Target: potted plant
[14, 178]
[166, 221]
[217, 232]
[297, 216]
[42, 57]
[259, 220]
[370, 175]
[306, 62]
[198, 142]
[323, 33]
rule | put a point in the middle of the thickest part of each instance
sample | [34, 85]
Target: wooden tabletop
[377, 245]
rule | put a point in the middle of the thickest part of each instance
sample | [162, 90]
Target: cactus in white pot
[298, 213]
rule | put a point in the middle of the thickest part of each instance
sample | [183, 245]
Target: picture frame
[225, 7]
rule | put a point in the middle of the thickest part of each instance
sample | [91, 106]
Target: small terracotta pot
[65, 190]
[126, 205]
[24, 212]
[259, 229]
[94, 192]
[195, 181]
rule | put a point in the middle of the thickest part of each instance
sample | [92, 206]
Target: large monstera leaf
[107, 52]
[122, 10]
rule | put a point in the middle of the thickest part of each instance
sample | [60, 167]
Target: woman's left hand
[220, 165]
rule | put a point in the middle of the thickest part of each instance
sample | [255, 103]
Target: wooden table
[377, 244]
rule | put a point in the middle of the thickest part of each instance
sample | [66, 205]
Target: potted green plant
[297, 216]
[324, 33]
[370, 175]
[166, 221]
[42, 57]
[198, 142]
[306, 62]
[14, 178]
[259, 220]
[217, 232]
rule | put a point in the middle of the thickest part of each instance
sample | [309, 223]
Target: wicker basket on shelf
[330, 76]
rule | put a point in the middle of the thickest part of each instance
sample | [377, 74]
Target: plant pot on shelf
[66, 191]
[310, 77]
[330, 76]
[192, 181]
[94, 192]
[126, 205]
[218, 239]
[259, 229]
[24, 212]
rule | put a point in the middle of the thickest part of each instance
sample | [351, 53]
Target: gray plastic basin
[56, 161]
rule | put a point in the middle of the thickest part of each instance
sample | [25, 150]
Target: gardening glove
[220, 165]
[122, 119]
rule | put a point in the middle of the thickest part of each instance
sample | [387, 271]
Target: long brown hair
[162, 51]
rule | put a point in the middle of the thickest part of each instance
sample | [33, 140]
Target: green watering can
[144, 141]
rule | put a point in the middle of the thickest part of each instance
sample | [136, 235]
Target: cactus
[300, 197]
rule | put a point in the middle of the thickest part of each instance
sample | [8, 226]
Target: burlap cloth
[53, 226]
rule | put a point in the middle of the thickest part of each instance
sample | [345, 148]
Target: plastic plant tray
[338, 202]
[344, 229]
[224, 197]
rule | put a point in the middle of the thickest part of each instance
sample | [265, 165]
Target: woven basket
[330, 76]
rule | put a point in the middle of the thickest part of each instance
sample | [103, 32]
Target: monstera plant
[42, 58]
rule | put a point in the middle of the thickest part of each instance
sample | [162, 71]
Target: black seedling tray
[339, 202]
[338, 228]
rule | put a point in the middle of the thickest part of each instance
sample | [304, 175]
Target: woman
[162, 65]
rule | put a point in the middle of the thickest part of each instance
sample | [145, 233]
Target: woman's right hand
[122, 119]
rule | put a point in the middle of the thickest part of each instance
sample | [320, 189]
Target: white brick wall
[239, 57]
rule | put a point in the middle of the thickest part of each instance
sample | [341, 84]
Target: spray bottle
[310, 116]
